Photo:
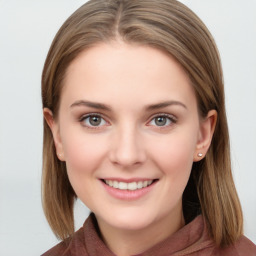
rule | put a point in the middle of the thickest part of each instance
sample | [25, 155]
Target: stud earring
[200, 154]
[59, 155]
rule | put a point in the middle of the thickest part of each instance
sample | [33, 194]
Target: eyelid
[170, 116]
[83, 117]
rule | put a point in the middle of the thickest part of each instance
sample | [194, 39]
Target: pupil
[160, 121]
[94, 120]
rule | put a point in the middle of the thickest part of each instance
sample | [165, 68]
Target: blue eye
[162, 121]
[93, 121]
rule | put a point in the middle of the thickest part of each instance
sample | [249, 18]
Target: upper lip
[127, 180]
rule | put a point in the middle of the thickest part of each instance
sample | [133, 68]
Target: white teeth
[140, 185]
[122, 185]
[130, 186]
[114, 184]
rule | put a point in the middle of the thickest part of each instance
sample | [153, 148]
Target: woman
[135, 126]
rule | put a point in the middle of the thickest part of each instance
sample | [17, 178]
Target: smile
[128, 186]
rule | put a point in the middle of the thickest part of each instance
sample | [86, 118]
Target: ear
[54, 126]
[206, 130]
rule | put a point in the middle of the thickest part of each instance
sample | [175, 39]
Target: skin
[128, 142]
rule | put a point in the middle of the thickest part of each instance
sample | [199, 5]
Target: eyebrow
[165, 104]
[101, 106]
[90, 104]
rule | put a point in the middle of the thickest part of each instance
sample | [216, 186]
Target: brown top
[191, 240]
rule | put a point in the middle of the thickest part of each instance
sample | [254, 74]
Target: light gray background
[27, 28]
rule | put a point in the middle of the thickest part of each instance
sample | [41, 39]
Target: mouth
[135, 185]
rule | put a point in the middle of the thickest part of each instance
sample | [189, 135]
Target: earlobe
[207, 127]
[53, 125]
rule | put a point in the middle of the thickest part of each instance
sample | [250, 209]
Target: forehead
[120, 71]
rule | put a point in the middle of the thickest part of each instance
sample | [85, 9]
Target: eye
[93, 121]
[162, 121]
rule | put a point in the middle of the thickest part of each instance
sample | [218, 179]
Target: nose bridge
[127, 146]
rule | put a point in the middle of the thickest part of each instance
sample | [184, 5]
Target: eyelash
[171, 119]
[83, 118]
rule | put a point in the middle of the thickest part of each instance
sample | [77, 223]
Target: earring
[200, 154]
[59, 155]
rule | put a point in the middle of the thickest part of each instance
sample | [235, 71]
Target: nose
[127, 148]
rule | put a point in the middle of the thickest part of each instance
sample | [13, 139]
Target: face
[128, 129]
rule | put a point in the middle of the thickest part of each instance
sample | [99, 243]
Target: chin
[128, 220]
[133, 223]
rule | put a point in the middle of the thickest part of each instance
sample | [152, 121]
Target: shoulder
[59, 249]
[86, 241]
[68, 246]
[243, 247]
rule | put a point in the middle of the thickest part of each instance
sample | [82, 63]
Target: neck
[131, 242]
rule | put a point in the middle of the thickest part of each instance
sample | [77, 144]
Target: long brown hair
[172, 27]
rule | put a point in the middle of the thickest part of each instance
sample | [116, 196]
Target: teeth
[140, 185]
[114, 184]
[122, 185]
[128, 186]
[132, 186]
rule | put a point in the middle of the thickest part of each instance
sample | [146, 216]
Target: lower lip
[128, 194]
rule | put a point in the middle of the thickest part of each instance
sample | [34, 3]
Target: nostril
[126, 149]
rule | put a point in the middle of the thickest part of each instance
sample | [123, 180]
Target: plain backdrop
[27, 28]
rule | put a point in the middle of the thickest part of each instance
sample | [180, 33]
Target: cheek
[83, 153]
[174, 155]
[175, 159]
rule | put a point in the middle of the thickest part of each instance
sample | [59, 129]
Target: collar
[191, 238]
